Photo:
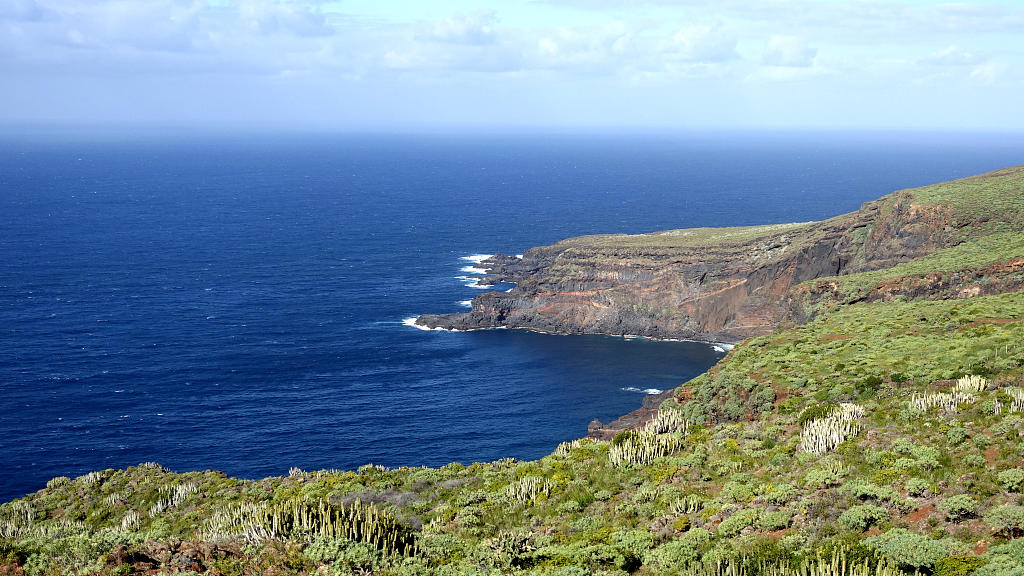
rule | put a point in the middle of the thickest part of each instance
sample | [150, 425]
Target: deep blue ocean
[236, 301]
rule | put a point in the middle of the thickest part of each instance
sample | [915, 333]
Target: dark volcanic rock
[703, 284]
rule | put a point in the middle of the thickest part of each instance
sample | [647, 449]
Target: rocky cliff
[710, 284]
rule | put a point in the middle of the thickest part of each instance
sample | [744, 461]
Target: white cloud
[474, 29]
[700, 44]
[951, 56]
[989, 73]
[788, 51]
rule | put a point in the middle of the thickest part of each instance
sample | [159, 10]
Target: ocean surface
[236, 302]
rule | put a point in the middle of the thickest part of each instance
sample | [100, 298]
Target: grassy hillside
[885, 435]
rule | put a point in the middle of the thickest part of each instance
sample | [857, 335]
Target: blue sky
[402, 64]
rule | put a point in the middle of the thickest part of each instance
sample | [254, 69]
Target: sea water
[241, 302]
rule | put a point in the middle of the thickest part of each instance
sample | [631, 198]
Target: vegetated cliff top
[879, 429]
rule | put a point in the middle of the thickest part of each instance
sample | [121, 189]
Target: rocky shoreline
[704, 285]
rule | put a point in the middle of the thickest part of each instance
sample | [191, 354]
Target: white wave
[641, 390]
[718, 348]
[473, 282]
[520, 256]
[476, 258]
[722, 347]
[466, 303]
[473, 270]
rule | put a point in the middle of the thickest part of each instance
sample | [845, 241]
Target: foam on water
[474, 282]
[466, 303]
[412, 322]
[473, 270]
[649, 391]
[476, 258]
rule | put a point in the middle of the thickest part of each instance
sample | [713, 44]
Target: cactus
[642, 447]
[528, 490]
[971, 383]
[824, 434]
[302, 520]
[667, 421]
[1017, 399]
[131, 521]
[175, 495]
[565, 448]
[949, 402]
[689, 504]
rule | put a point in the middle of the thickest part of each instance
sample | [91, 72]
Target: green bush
[861, 517]
[679, 552]
[959, 565]
[1003, 560]
[956, 435]
[1012, 480]
[734, 524]
[772, 521]
[816, 412]
[681, 524]
[959, 507]
[1008, 520]
[907, 549]
[916, 486]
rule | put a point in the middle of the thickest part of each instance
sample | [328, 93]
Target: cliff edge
[727, 284]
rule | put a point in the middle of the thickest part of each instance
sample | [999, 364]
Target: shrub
[959, 507]
[1003, 560]
[821, 478]
[916, 486]
[678, 552]
[959, 565]
[956, 435]
[681, 524]
[1008, 520]
[736, 492]
[734, 524]
[772, 521]
[1012, 480]
[907, 548]
[975, 461]
[58, 482]
[816, 412]
[860, 517]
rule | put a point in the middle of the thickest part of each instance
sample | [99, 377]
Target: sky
[482, 64]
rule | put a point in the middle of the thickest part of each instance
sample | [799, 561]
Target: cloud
[951, 56]
[472, 29]
[788, 51]
[700, 44]
[989, 73]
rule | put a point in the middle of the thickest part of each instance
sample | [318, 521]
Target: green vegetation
[880, 438]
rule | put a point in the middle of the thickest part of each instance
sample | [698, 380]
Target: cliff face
[721, 284]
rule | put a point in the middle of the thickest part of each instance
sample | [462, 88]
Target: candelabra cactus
[824, 434]
[949, 402]
[299, 519]
[175, 495]
[565, 448]
[642, 447]
[528, 490]
[689, 504]
[971, 383]
[667, 421]
[131, 521]
[1016, 399]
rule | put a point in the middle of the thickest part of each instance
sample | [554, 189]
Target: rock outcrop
[723, 284]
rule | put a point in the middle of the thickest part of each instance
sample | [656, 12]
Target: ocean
[236, 301]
